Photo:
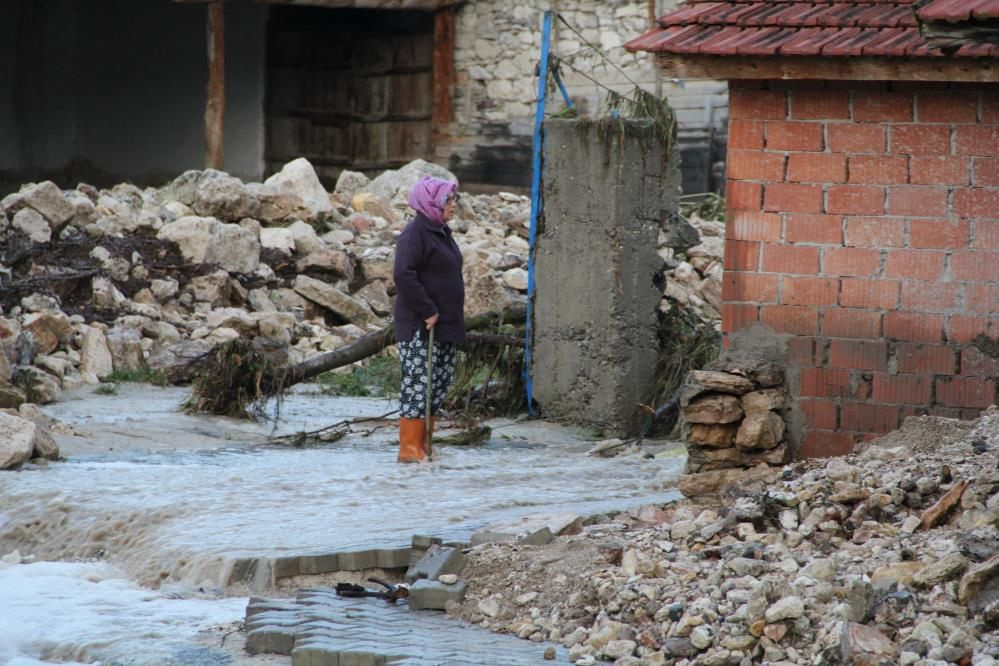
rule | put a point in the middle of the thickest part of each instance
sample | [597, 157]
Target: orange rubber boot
[412, 433]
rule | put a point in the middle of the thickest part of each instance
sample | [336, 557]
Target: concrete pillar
[609, 186]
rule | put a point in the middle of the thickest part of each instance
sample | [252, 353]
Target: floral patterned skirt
[413, 391]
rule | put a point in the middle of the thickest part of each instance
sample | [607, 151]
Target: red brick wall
[863, 218]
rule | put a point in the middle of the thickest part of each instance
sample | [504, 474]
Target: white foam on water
[79, 612]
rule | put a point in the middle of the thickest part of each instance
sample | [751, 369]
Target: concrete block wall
[863, 221]
[609, 186]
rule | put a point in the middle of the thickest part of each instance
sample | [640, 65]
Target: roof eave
[697, 66]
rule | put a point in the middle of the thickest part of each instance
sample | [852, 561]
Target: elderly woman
[430, 294]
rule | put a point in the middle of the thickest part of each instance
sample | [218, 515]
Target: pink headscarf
[429, 195]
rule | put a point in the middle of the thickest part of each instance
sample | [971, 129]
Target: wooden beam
[443, 67]
[863, 68]
[215, 93]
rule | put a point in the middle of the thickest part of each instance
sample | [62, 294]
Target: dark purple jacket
[428, 280]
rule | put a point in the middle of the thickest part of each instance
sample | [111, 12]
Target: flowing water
[145, 516]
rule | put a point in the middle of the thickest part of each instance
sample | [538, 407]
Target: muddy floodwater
[124, 548]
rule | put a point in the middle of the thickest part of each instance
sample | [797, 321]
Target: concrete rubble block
[333, 300]
[17, 437]
[270, 640]
[358, 560]
[205, 240]
[530, 529]
[317, 564]
[713, 408]
[434, 595]
[436, 561]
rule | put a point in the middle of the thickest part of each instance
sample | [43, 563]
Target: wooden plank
[215, 104]
[443, 67]
[853, 68]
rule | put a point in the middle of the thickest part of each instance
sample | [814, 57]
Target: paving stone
[393, 558]
[317, 564]
[437, 560]
[270, 639]
[338, 631]
[359, 560]
[433, 595]
[285, 567]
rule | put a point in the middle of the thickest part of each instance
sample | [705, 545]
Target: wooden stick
[215, 105]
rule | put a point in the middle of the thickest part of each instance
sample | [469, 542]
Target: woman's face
[450, 206]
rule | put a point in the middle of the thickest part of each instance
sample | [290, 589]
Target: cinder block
[434, 595]
[317, 564]
[270, 639]
[437, 560]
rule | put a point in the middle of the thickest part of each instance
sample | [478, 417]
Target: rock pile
[886, 556]
[125, 280]
[734, 419]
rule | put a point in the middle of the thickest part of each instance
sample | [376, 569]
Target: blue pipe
[539, 119]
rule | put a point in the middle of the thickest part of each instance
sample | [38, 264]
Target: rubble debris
[825, 561]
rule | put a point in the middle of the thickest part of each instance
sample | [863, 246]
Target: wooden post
[215, 105]
[443, 67]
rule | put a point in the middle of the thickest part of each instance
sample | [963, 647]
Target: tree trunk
[372, 343]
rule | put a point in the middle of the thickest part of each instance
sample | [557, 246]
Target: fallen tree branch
[234, 379]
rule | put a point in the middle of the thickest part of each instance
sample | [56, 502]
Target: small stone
[489, 607]
[526, 598]
[448, 579]
[549, 654]
[702, 637]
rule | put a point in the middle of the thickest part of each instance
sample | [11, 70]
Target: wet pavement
[175, 499]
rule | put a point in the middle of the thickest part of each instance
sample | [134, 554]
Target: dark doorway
[348, 88]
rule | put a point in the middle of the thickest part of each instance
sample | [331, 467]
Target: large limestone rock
[11, 397]
[234, 318]
[95, 356]
[299, 178]
[715, 408]
[702, 381]
[47, 199]
[31, 223]
[222, 196]
[43, 445]
[307, 240]
[277, 238]
[38, 386]
[125, 345]
[206, 240]
[49, 329]
[334, 300]
[327, 261]
[350, 183]
[17, 437]
[394, 186]
[760, 430]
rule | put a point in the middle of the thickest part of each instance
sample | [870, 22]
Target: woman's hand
[432, 320]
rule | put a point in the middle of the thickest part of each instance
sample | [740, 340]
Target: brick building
[862, 196]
